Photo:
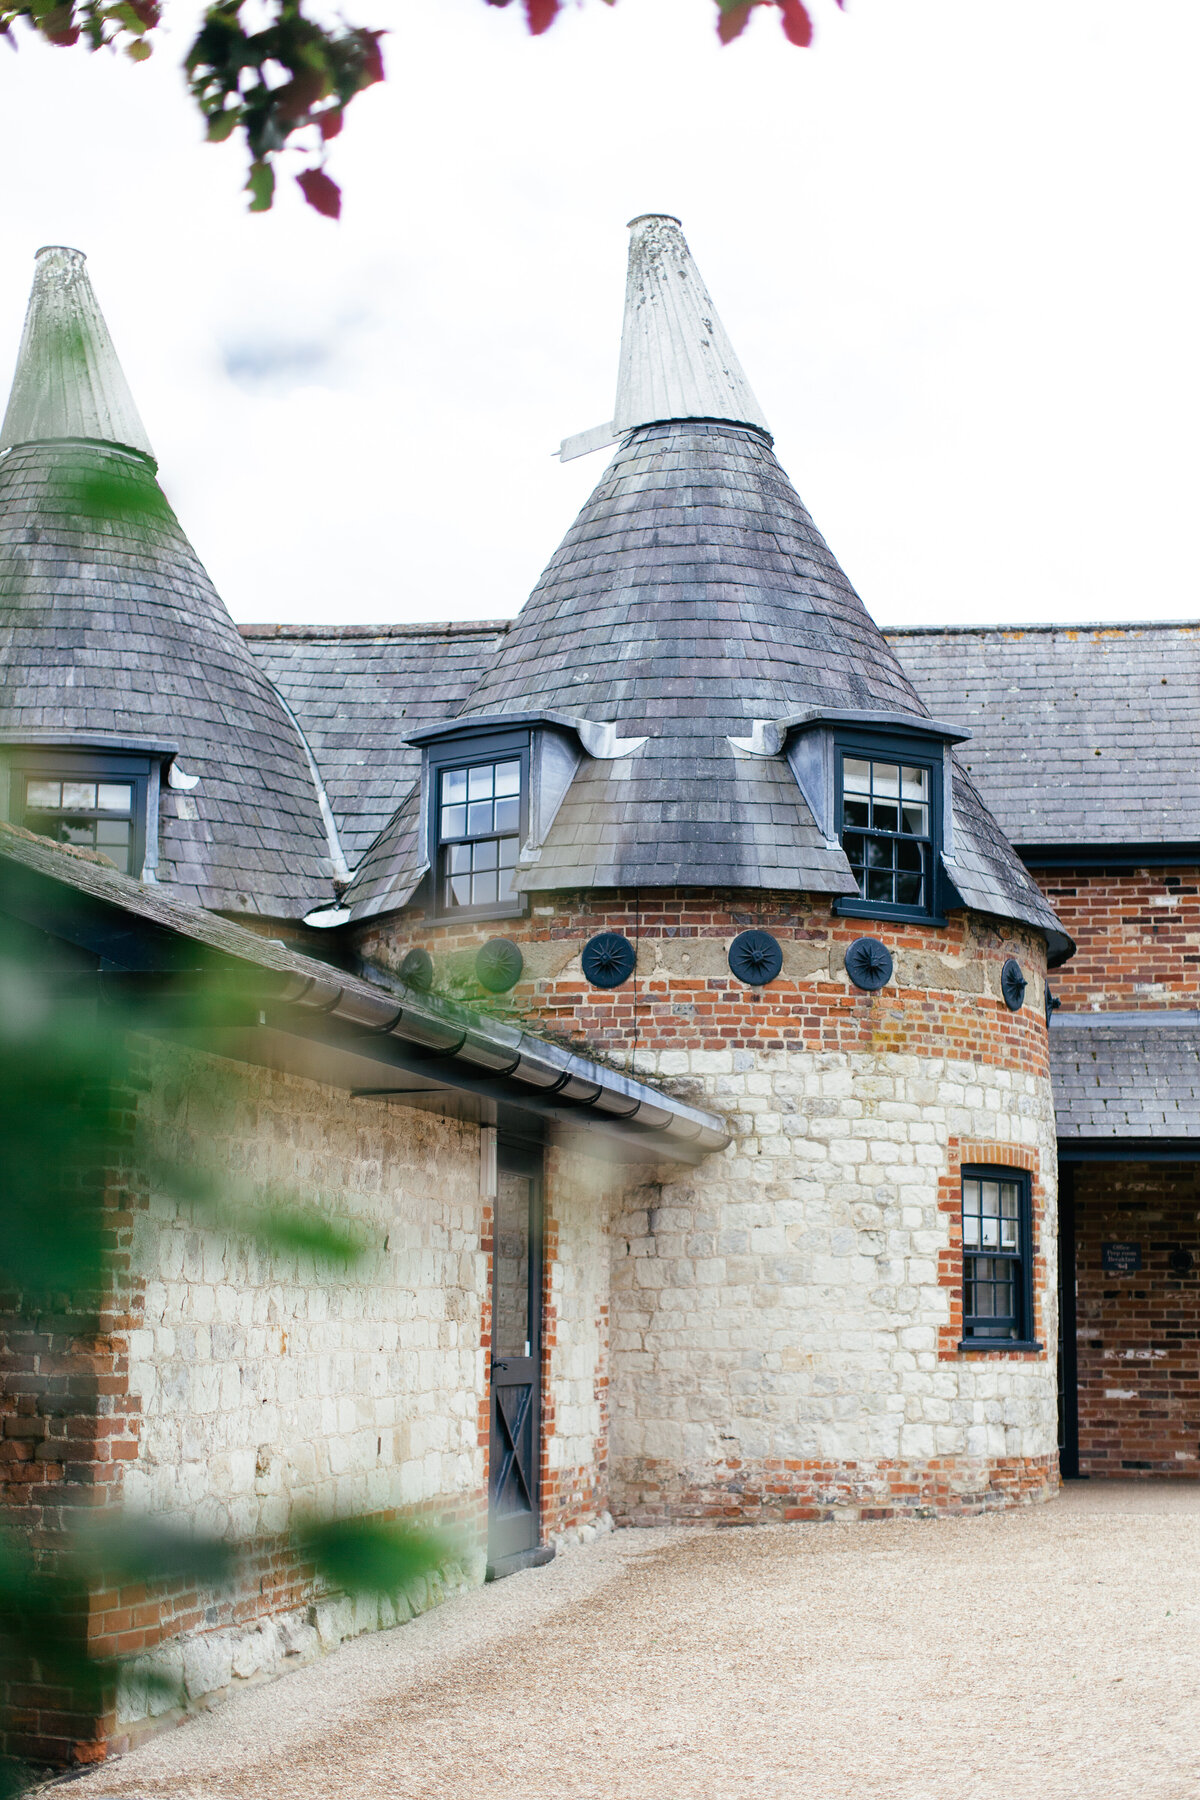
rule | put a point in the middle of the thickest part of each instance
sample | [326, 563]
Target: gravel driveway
[1049, 1652]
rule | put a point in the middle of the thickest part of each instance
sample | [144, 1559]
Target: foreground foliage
[70, 1055]
[286, 84]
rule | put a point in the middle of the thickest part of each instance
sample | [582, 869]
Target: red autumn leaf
[541, 15]
[324, 195]
[294, 99]
[330, 122]
[372, 58]
[59, 26]
[732, 21]
[797, 26]
[146, 10]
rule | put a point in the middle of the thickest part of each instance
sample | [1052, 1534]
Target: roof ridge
[430, 628]
[1017, 630]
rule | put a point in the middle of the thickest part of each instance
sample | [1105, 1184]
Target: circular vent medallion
[755, 957]
[498, 965]
[1013, 985]
[417, 970]
[608, 959]
[869, 964]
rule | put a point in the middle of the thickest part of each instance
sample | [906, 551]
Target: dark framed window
[889, 812]
[96, 801]
[997, 1244]
[479, 803]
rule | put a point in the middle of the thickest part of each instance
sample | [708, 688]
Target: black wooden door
[516, 1435]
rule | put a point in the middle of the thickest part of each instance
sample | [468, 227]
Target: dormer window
[888, 817]
[886, 829]
[95, 800]
[479, 804]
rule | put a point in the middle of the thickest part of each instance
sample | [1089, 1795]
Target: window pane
[1008, 1216]
[856, 812]
[886, 781]
[915, 819]
[856, 776]
[479, 817]
[879, 853]
[908, 890]
[989, 1206]
[508, 778]
[112, 831]
[879, 885]
[915, 784]
[508, 852]
[508, 815]
[483, 889]
[458, 859]
[908, 856]
[114, 796]
[485, 855]
[454, 786]
[855, 848]
[81, 794]
[506, 883]
[454, 821]
[885, 816]
[43, 793]
[459, 890]
[479, 782]
[75, 831]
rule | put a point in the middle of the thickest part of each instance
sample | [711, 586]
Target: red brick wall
[1138, 937]
[664, 1009]
[1138, 1334]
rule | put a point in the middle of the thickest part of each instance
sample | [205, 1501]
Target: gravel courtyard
[1050, 1652]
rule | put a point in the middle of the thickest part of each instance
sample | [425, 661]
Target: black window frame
[468, 752]
[916, 752]
[1022, 1258]
[46, 763]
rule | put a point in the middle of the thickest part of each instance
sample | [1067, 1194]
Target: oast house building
[665, 983]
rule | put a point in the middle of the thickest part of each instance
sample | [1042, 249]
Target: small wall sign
[1121, 1259]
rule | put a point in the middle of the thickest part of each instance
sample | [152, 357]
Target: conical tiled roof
[692, 597]
[112, 633]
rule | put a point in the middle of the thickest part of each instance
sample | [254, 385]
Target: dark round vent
[608, 959]
[868, 963]
[417, 970]
[755, 957]
[1180, 1262]
[1013, 985]
[498, 964]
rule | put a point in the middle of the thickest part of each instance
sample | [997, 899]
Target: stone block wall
[1138, 1333]
[1138, 937]
[270, 1383]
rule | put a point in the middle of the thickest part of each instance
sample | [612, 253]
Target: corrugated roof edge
[324, 633]
[500, 1059]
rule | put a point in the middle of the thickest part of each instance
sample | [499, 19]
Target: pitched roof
[111, 632]
[1126, 1077]
[358, 691]
[332, 1026]
[1082, 734]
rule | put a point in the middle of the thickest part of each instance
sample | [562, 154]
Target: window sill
[1001, 1345]
[470, 915]
[900, 915]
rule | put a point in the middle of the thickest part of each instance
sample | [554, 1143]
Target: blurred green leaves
[77, 1051]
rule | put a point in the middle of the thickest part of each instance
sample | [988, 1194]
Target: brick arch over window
[968, 1153]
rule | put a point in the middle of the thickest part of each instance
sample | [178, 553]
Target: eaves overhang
[191, 975]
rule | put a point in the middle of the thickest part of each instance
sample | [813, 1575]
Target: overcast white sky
[954, 245]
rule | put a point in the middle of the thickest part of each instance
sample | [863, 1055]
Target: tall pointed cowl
[111, 632]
